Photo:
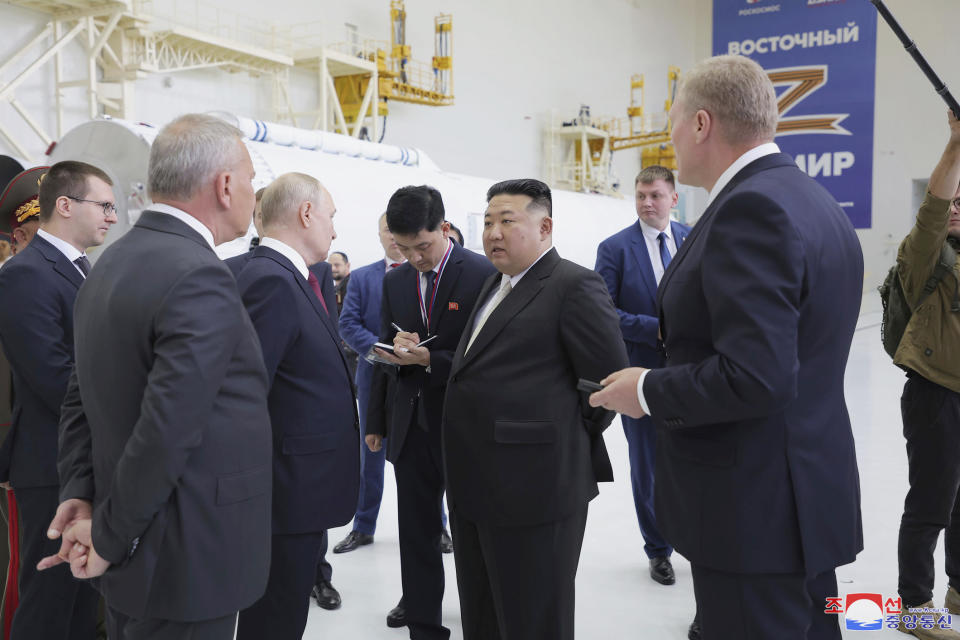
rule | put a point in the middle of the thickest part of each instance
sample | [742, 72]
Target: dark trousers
[122, 627]
[518, 583]
[281, 613]
[784, 606]
[931, 425]
[420, 485]
[371, 476]
[642, 446]
[53, 604]
[324, 569]
[4, 550]
[371, 473]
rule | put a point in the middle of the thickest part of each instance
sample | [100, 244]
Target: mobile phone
[588, 386]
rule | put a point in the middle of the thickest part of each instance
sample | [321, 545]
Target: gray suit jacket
[165, 427]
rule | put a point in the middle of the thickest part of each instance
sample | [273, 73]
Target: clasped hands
[406, 351]
[72, 524]
[619, 393]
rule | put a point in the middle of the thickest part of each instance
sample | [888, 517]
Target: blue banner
[821, 57]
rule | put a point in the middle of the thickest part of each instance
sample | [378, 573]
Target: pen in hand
[397, 327]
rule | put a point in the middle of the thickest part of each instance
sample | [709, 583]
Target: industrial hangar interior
[371, 95]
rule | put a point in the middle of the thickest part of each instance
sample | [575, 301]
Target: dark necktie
[431, 279]
[664, 251]
[84, 264]
[254, 243]
[315, 285]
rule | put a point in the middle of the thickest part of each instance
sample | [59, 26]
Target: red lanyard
[425, 311]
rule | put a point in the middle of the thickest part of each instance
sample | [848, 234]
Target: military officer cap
[19, 201]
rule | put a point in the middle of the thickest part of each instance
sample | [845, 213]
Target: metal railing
[215, 21]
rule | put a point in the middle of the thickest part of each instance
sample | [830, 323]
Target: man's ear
[305, 214]
[546, 226]
[223, 186]
[703, 125]
[17, 238]
[63, 207]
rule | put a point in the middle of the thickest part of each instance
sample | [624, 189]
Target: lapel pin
[453, 306]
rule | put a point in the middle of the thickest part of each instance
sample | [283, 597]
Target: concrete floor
[615, 597]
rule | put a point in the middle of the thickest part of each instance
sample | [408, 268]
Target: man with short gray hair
[313, 410]
[756, 476]
[164, 464]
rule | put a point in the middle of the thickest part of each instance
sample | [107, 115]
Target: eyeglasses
[109, 209]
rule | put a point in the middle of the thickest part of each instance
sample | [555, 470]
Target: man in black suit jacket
[324, 592]
[165, 427]
[756, 477]
[76, 210]
[523, 450]
[312, 406]
[19, 216]
[340, 269]
[432, 294]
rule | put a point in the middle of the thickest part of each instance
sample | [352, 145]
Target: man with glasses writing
[76, 210]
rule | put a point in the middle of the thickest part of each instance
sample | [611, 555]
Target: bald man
[316, 464]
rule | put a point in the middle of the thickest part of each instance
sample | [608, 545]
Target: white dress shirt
[514, 280]
[757, 152]
[651, 235]
[287, 252]
[185, 218]
[64, 247]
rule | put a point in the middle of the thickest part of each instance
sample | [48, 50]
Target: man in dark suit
[340, 269]
[19, 212]
[19, 216]
[523, 450]
[165, 432]
[632, 263]
[324, 592]
[430, 296]
[757, 479]
[76, 208]
[312, 406]
[360, 326]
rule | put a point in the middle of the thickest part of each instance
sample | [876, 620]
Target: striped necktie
[83, 263]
